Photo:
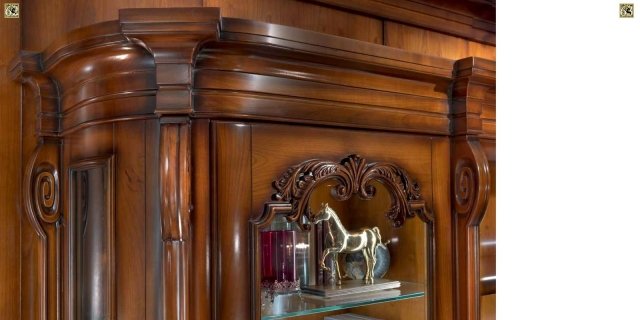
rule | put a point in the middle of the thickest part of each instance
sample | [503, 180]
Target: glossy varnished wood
[433, 43]
[153, 233]
[303, 15]
[445, 266]
[426, 15]
[233, 150]
[175, 211]
[10, 162]
[202, 112]
[488, 229]
[202, 268]
[44, 22]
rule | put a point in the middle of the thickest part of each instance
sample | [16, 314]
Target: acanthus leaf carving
[353, 176]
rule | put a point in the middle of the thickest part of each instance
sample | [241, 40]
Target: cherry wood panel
[45, 21]
[445, 270]
[10, 162]
[202, 268]
[303, 15]
[322, 73]
[233, 172]
[129, 149]
[153, 237]
[425, 15]
[433, 43]
[488, 307]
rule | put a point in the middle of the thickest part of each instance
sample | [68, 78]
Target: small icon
[626, 10]
[12, 10]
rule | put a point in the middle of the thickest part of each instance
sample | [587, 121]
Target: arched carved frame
[354, 175]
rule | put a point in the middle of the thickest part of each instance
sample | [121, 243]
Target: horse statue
[344, 241]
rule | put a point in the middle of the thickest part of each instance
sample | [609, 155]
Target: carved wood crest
[354, 175]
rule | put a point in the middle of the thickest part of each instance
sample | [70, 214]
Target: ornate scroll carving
[471, 183]
[175, 211]
[354, 176]
[42, 202]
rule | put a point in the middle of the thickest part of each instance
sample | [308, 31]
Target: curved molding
[185, 60]
[353, 176]
[26, 68]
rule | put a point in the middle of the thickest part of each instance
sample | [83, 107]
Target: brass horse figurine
[343, 241]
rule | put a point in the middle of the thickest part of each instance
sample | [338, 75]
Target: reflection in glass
[284, 256]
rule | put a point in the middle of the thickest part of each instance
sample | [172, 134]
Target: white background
[568, 173]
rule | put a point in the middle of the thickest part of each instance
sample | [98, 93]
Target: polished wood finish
[406, 37]
[488, 228]
[233, 288]
[175, 210]
[201, 113]
[10, 164]
[44, 22]
[425, 15]
[473, 92]
[90, 241]
[302, 15]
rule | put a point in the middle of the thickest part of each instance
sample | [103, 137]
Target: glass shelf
[295, 304]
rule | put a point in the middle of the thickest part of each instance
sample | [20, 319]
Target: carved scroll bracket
[471, 187]
[174, 38]
[353, 176]
[26, 68]
[41, 185]
[42, 202]
[471, 179]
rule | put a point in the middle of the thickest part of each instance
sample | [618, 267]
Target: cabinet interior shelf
[290, 305]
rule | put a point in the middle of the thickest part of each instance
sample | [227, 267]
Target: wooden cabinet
[156, 138]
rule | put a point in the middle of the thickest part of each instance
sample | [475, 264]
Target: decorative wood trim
[354, 176]
[424, 15]
[26, 68]
[473, 97]
[42, 203]
[107, 163]
[174, 40]
[266, 38]
[175, 211]
[471, 183]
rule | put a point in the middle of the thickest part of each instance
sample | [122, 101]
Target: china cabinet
[170, 148]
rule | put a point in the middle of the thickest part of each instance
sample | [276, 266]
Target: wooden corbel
[41, 185]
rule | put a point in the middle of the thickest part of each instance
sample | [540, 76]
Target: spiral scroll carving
[354, 176]
[465, 186]
[46, 193]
